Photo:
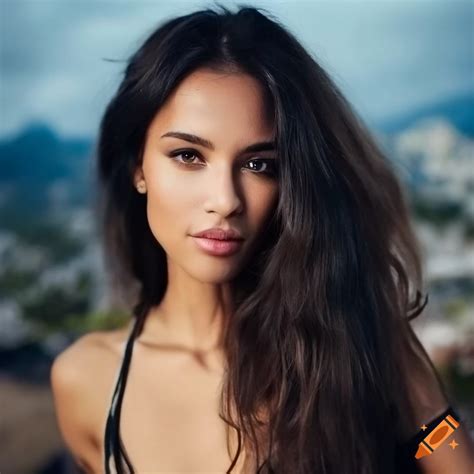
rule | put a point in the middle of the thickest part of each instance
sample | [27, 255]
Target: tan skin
[170, 410]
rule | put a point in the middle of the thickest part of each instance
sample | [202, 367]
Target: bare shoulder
[85, 359]
[69, 361]
[81, 377]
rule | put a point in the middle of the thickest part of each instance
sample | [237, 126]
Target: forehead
[208, 102]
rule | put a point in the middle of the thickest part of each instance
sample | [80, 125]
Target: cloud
[387, 56]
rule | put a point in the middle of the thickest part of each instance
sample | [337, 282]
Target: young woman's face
[191, 187]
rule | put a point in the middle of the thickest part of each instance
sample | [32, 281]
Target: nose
[223, 196]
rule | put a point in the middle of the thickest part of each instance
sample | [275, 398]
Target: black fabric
[406, 463]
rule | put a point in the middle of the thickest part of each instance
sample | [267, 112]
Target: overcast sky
[387, 56]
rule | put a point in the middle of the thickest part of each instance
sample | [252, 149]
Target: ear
[138, 175]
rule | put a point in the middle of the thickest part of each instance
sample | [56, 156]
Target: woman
[279, 341]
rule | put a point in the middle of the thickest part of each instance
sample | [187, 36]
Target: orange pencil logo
[434, 439]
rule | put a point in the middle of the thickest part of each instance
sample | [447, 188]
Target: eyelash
[272, 172]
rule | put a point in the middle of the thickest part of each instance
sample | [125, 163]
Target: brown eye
[258, 164]
[187, 156]
[263, 166]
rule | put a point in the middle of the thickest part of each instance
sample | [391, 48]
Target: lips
[220, 234]
[217, 247]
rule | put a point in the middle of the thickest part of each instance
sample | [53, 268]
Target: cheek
[169, 207]
[261, 205]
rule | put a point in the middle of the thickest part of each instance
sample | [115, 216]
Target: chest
[170, 419]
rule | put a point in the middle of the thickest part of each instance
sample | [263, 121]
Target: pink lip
[218, 247]
[221, 234]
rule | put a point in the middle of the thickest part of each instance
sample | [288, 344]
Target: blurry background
[406, 66]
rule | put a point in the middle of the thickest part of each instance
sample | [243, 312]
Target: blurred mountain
[458, 110]
[41, 170]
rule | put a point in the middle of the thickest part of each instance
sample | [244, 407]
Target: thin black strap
[112, 442]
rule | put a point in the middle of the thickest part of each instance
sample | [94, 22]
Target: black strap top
[113, 446]
[405, 461]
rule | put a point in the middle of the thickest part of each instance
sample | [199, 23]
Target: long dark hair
[319, 343]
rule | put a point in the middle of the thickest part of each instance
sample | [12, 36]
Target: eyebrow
[189, 137]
